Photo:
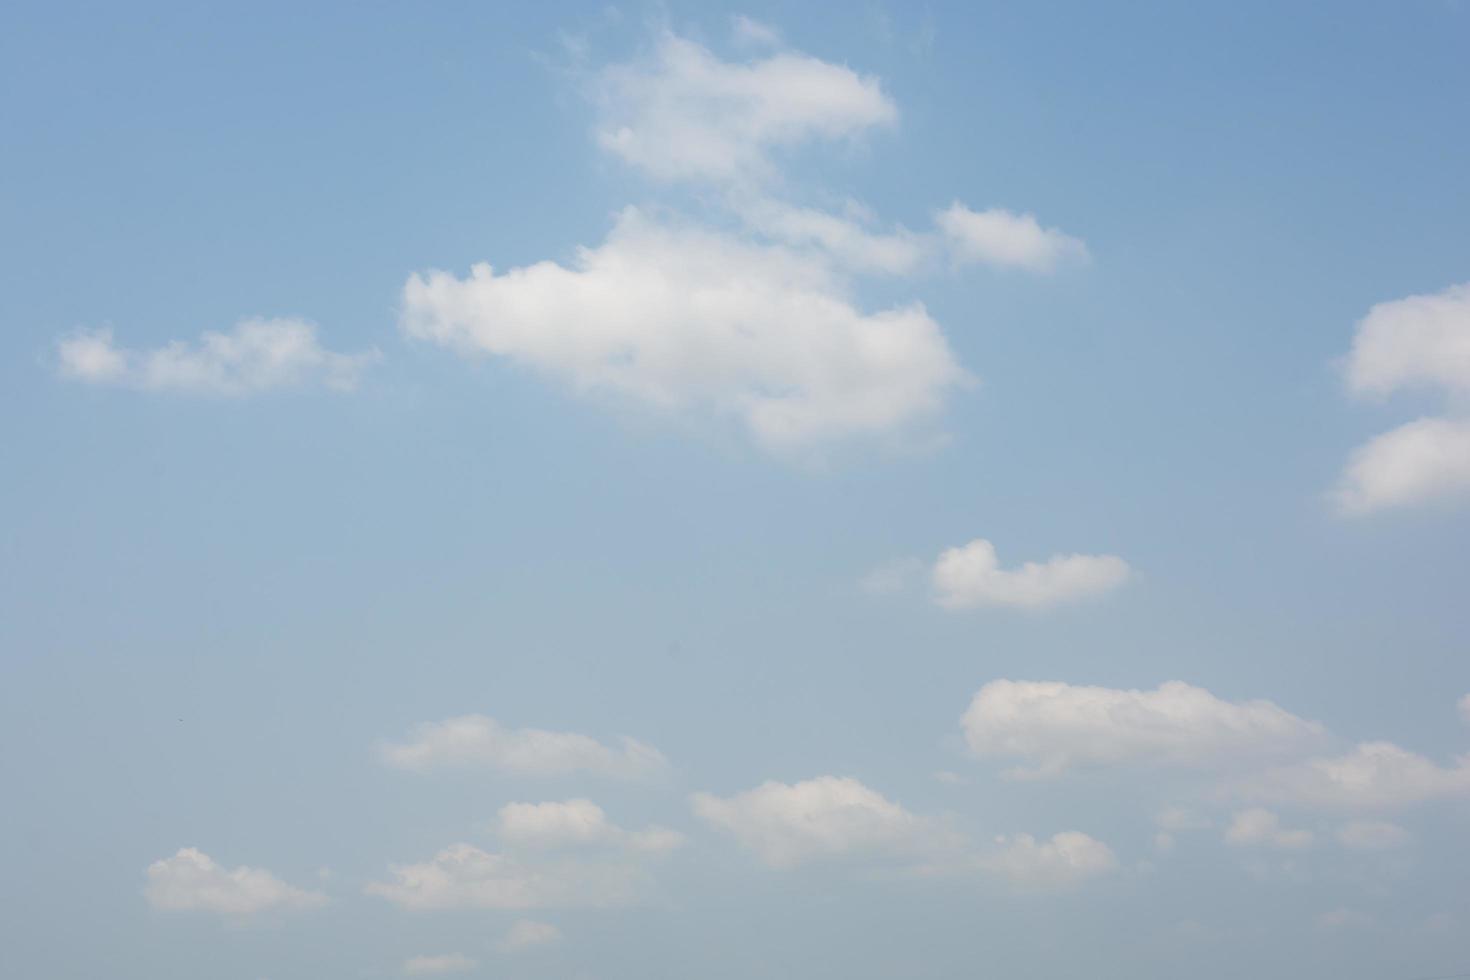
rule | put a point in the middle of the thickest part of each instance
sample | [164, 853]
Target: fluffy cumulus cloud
[258, 354]
[971, 575]
[1258, 827]
[441, 963]
[747, 313]
[191, 880]
[1372, 835]
[1064, 859]
[1374, 775]
[477, 741]
[525, 934]
[576, 823]
[1002, 238]
[683, 113]
[826, 817]
[1421, 342]
[687, 319]
[1420, 462]
[1056, 726]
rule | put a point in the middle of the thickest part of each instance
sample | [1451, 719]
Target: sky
[857, 491]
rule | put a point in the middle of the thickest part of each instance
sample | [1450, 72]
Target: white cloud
[970, 575]
[526, 934]
[258, 354]
[1373, 775]
[443, 963]
[1372, 835]
[826, 817]
[464, 876]
[1464, 707]
[191, 880]
[1262, 828]
[845, 241]
[1422, 461]
[753, 32]
[1057, 726]
[479, 741]
[1065, 859]
[576, 823]
[684, 114]
[1420, 341]
[683, 319]
[1003, 238]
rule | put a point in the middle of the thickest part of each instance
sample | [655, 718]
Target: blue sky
[950, 491]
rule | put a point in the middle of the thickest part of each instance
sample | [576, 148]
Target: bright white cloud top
[576, 823]
[256, 355]
[1421, 342]
[478, 741]
[1054, 726]
[1002, 238]
[690, 320]
[685, 114]
[192, 881]
[970, 575]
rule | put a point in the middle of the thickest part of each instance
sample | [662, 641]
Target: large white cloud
[1425, 460]
[683, 113]
[1259, 827]
[480, 741]
[1064, 859]
[256, 355]
[970, 575]
[1055, 726]
[191, 880]
[1003, 238]
[685, 319]
[574, 823]
[1419, 341]
[1374, 775]
[826, 817]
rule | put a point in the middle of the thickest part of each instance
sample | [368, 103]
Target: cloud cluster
[191, 880]
[257, 355]
[478, 741]
[971, 575]
[1420, 342]
[1055, 726]
[576, 823]
[1258, 827]
[465, 876]
[1374, 775]
[749, 315]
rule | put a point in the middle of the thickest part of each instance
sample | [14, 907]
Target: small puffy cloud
[464, 876]
[827, 817]
[1419, 341]
[1423, 461]
[191, 880]
[970, 575]
[1374, 775]
[258, 354]
[1003, 238]
[1262, 828]
[1057, 726]
[686, 320]
[1064, 859]
[525, 934]
[685, 114]
[1372, 835]
[575, 823]
[422, 966]
[477, 741]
